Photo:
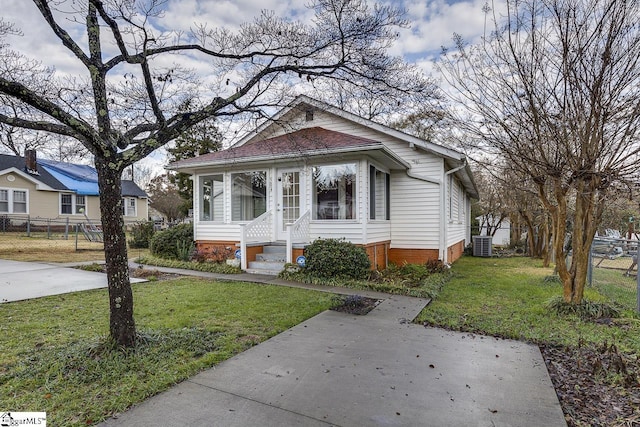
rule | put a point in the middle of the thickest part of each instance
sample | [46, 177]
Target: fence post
[76, 237]
[48, 228]
[28, 225]
[66, 229]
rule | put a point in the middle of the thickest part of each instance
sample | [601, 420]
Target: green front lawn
[55, 358]
[508, 297]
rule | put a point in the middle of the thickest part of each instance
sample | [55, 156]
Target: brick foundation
[401, 256]
[455, 251]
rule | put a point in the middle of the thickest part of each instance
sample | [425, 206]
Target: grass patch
[509, 297]
[56, 357]
[208, 267]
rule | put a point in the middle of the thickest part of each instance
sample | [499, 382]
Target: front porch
[260, 234]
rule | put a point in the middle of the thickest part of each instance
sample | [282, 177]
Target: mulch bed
[355, 304]
[596, 385]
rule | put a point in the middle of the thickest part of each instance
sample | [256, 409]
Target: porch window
[248, 195]
[334, 191]
[212, 198]
[13, 201]
[379, 194]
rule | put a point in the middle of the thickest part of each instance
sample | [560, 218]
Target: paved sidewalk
[374, 370]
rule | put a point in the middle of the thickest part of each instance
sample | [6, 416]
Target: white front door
[289, 200]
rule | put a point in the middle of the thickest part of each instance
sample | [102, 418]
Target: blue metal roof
[82, 179]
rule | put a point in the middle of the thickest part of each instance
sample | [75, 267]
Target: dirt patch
[596, 385]
[354, 304]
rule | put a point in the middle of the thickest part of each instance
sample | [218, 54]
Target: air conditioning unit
[482, 246]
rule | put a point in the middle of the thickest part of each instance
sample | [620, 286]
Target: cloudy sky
[433, 23]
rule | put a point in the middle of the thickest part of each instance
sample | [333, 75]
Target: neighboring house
[501, 229]
[315, 171]
[50, 189]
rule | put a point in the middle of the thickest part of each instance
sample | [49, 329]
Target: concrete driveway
[26, 280]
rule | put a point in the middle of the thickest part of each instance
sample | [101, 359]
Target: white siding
[457, 223]
[217, 231]
[350, 230]
[378, 231]
[415, 213]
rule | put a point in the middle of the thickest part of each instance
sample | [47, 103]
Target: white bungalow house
[315, 171]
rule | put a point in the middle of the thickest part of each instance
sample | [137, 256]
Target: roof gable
[42, 179]
[303, 102]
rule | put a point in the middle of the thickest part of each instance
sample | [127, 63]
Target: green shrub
[141, 234]
[336, 258]
[166, 244]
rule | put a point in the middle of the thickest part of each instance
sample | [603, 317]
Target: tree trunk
[544, 239]
[588, 213]
[121, 324]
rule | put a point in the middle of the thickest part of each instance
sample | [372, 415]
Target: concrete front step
[274, 249]
[260, 271]
[267, 265]
[274, 257]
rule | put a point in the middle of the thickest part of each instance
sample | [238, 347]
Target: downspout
[443, 212]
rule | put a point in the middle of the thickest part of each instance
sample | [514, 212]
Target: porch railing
[258, 230]
[298, 232]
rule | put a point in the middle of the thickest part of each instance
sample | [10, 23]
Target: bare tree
[554, 91]
[127, 102]
[165, 197]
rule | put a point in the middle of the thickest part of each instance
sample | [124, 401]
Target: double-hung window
[129, 206]
[71, 204]
[14, 201]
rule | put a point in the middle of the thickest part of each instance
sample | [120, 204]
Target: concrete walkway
[374, 370]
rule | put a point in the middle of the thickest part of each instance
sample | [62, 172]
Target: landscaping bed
[141, 272]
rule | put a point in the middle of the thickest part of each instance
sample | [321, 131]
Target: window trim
[11, 201]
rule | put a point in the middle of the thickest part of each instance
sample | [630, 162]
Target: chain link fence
[22, 234]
